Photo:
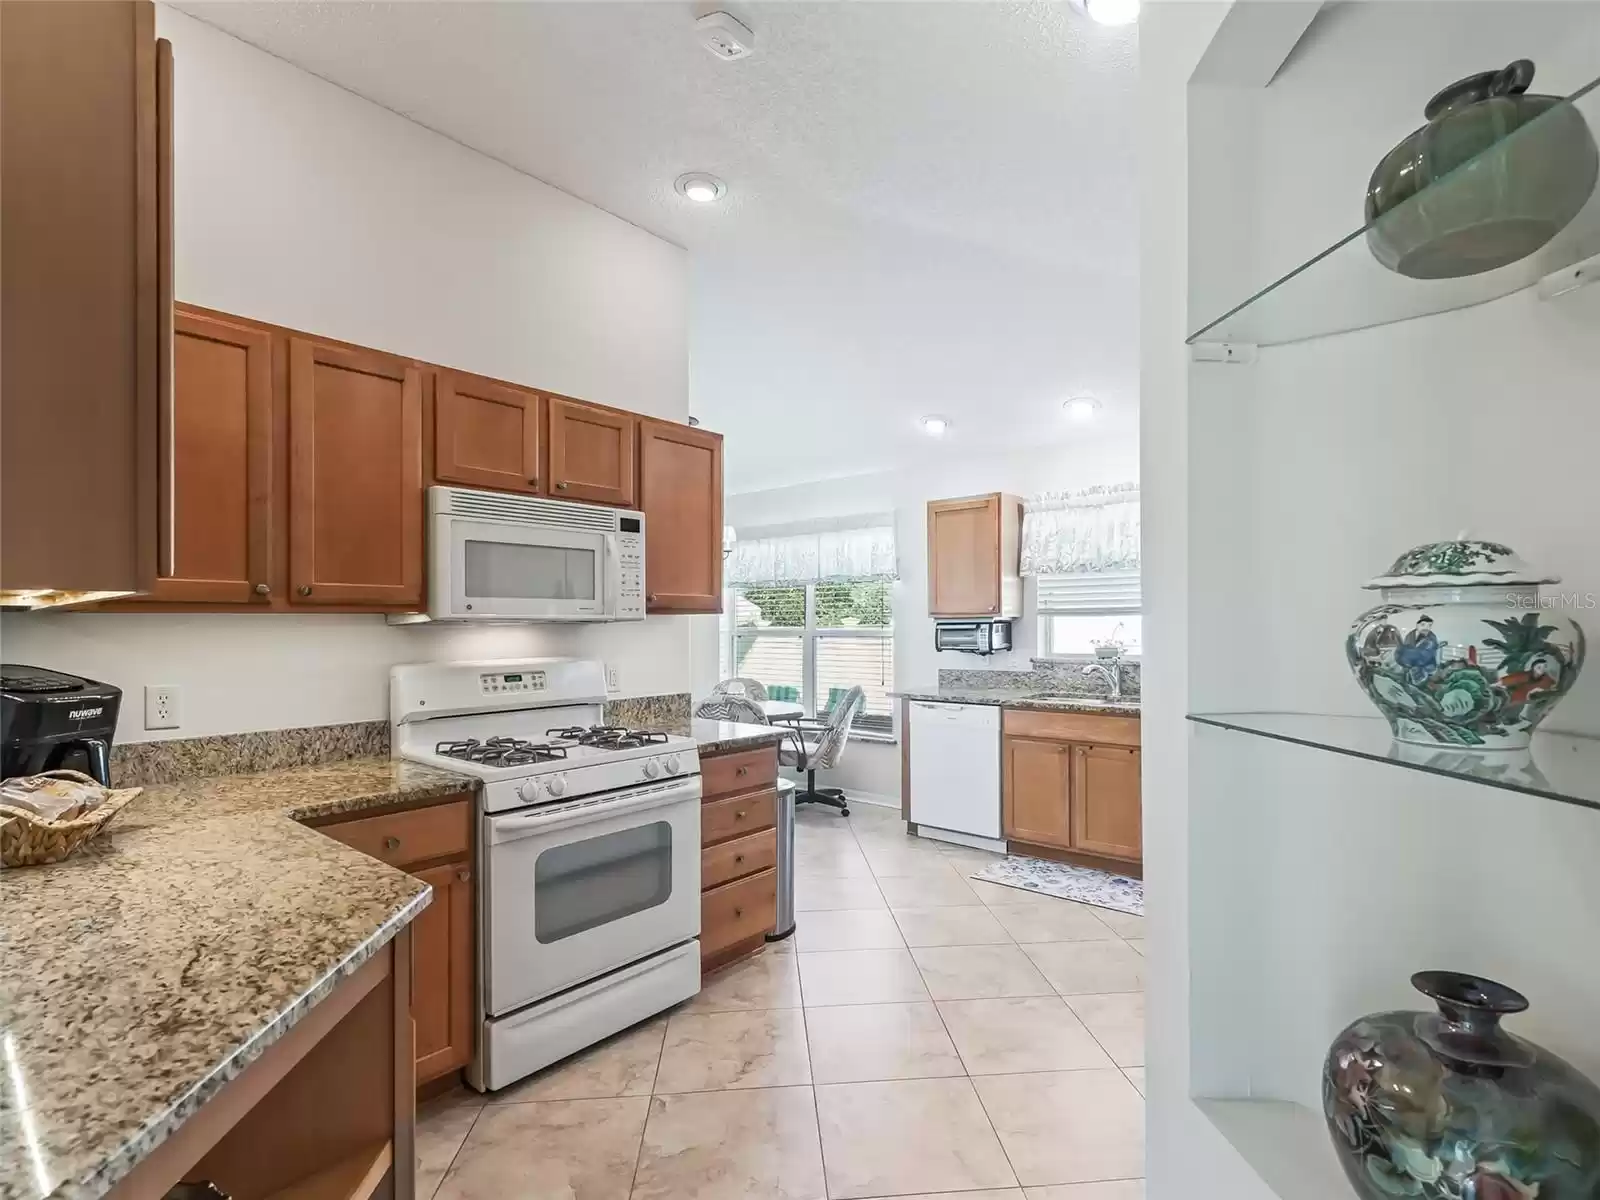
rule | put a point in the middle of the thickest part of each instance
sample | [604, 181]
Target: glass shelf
[1560, 766]
[1345, 288]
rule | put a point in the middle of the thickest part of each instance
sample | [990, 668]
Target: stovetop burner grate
[608, 737]
[501, 751]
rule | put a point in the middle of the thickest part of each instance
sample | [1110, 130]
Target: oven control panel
[496, 683]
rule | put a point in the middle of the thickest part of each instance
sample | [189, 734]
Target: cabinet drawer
[746, 771]
[738, 911]
[740, 857]
[1072, 727]
[413, 836]
[737, 816]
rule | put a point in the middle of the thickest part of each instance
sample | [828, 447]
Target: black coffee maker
[51, 722]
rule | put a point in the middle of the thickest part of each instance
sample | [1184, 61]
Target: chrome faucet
[1111, 674]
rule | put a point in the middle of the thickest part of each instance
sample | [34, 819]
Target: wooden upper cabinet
[485, 434]
[973, 557]
[443, 995]
[355, 476]
[680, 493]
[1037, 776]
[217, 465]
[591, 453]
[1106, 815]
[85, 270]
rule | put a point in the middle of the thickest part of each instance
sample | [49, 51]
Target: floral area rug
[1083, 884]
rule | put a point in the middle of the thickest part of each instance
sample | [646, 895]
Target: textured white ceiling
[932, 206]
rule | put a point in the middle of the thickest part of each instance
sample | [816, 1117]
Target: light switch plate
[161, 707]
[613, 679]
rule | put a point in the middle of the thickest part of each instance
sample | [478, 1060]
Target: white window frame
[808, 651]
[1119, 610]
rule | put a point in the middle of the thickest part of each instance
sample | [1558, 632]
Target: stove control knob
[529, 791]
[673, 765]
[557, 785]
[650, 769]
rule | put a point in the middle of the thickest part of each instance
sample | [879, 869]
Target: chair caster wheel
[844, 812]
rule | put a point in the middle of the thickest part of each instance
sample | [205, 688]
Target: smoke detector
[726, 36]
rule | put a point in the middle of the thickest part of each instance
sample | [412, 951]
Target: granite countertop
[715, 737]
[1028, 698]
[140, 976]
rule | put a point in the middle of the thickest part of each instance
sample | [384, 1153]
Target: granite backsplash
[140, 764]
[1048, 675]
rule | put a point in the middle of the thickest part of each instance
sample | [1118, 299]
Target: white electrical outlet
[161, 707]
[613, 679]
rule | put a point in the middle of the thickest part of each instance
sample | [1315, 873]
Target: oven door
[489, 570]
[575, 890]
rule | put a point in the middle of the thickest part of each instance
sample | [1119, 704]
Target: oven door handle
[511, 828]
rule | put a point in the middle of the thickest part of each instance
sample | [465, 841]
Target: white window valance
[1093, 530]
[825, 556]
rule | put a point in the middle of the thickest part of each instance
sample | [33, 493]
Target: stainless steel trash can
[784, 925]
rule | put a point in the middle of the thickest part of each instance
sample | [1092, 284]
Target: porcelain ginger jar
[1464, 651]
[1447, 1105]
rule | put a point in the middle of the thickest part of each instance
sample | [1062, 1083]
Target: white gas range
[588, 852]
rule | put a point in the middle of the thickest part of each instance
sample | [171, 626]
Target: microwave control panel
[630, 567]
[512, 681]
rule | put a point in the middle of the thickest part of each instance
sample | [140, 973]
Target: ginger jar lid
[1462, 563]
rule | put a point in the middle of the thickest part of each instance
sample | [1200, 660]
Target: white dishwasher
[955, 767]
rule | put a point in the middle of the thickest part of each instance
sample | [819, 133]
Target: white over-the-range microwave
[495, 556]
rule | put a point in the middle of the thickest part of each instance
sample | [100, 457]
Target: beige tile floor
[922, 1035]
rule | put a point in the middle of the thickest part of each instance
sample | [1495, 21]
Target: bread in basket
[44, 818]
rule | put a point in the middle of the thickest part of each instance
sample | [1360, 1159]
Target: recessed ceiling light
[1082, 408]
[1112, 12]
[700, 187]
[934, 426]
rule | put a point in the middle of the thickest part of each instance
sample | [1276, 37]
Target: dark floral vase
[1448, 1106]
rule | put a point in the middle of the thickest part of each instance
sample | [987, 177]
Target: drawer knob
[263, 590]
[561, 487]
[305, 589]
[739, 816]
[464, 875]
[737, 859]
[742, 771]
[738, 912]
[391, 843]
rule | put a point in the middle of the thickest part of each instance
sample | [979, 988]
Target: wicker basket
[29, 840]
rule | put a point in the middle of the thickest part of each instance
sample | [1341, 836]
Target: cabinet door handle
[464, 875]
[737, 859]
[305, 589]
[263, 590]
[650, 599]
[737, 913]
[533, 480]
[742, 771]
[739, 816]
[561, 487]
[391, 843]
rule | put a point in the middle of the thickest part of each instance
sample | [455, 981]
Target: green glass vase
[1520, 167]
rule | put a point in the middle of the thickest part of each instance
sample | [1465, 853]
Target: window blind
[1089, 592]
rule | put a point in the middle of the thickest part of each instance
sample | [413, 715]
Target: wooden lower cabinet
[1106, 814]
[442, 986]
[432, 842]
[739, 855]
[1035, 791]
[1064, 792]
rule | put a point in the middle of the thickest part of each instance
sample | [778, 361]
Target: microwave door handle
[613, 604]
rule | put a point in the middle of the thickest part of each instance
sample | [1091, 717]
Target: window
[1077, 611]
[811, 644]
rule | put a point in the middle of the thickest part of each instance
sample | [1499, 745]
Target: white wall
[301, 204]
[1292, 890]
[940, 473]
